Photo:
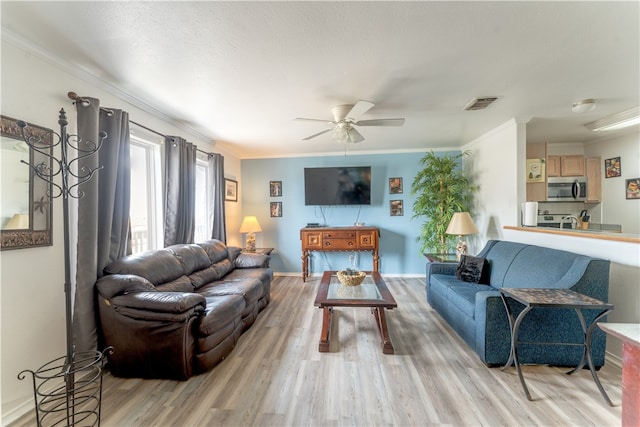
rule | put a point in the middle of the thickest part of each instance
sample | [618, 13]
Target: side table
[554, 298]
[442, 258]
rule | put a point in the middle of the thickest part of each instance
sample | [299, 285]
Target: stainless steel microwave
[568, 189]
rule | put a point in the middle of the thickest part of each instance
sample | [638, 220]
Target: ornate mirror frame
[38, 231]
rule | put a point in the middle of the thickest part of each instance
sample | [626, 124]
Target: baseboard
[23, 407]
[613, 359]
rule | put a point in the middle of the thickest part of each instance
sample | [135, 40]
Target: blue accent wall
[399, 249]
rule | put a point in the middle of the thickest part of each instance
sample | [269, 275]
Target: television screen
[349, 185]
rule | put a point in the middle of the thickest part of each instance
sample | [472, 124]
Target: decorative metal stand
[67, 390]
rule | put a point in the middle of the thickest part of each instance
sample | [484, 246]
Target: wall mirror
[25, 211]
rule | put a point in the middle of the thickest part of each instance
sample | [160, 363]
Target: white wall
[497, 167]
[494, 167]
[32, 330]
[616, 209]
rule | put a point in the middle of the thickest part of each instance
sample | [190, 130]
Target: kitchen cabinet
[593, 168]
[573, 165]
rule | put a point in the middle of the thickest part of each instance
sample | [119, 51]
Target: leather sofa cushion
[181, 284]
[215, 250]
[249, 289]
[214, 272]
[192, 257]
[157, 267]
[246, 260]
[220, 310]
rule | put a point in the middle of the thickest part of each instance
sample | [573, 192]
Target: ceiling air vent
[480, 103]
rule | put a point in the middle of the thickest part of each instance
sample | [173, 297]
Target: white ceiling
[240, 72]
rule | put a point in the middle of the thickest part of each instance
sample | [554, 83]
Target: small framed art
[275, 188]
[632, 188]
[276, 209]
[396, 208]
[395, 185]
[535, 170]
[230, 190]
[612, 167]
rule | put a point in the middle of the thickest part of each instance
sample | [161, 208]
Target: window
[146, 194]
[204, 220]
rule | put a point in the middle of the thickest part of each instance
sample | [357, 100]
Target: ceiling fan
[345, 117]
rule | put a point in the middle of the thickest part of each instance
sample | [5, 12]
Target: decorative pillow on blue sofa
[473, 269]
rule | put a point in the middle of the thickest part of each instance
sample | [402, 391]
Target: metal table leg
[513, 355]
[586, 351]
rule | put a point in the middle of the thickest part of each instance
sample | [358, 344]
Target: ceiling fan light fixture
[627, 118]
[583, 106]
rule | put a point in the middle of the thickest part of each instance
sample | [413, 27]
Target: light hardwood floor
[276, 376]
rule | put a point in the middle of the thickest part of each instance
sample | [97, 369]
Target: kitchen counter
[593, 234]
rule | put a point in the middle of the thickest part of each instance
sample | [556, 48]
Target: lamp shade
[250, 225]
[461, 224]
[18, 222]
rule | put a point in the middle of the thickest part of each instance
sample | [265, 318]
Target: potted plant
[442, 190]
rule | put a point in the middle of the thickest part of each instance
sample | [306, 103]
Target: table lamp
[250, 226]
[461, 224]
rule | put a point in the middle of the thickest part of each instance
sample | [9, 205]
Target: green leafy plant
[442, 190]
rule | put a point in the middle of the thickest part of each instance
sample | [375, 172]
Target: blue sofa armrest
[493, 336]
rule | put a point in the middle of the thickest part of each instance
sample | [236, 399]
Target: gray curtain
[216, 171]
[103, 210]
[179, 191]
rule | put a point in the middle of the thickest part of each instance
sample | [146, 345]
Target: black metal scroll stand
[67, 390]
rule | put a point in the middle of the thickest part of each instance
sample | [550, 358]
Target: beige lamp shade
[250, 225]
[18, 222]
[461, 224]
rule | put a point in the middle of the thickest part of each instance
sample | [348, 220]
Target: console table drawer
[339, 244]
[339, 234]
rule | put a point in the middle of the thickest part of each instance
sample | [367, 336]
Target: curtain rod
[75, 97]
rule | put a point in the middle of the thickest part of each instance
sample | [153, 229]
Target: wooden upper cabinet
[565, 165]
[594, 179]
[572, 165]
[553, 165]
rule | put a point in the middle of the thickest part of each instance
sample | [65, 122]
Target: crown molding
[83, 74]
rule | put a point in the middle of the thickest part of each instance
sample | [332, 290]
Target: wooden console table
[334, 239]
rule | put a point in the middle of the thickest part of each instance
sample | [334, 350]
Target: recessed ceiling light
[583, 106]
[620, 120]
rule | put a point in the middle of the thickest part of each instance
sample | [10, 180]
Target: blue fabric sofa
[477, 314]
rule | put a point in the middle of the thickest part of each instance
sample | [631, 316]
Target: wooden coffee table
[372, 293]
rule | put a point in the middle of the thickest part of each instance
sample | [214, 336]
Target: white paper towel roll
[530, 214]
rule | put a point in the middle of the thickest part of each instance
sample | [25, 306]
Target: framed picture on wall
[276, 209]
[396, 208]
[275, 188]
[230, 190]
[535, 170]
[612, 167]
[632, 188]
[395, 185]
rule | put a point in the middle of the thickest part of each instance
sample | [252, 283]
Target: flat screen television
[347, 185]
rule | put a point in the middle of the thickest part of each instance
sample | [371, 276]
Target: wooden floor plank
[276, 377]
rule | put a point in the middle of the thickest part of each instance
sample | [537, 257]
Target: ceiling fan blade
[380, 122]
[317, 134]
[359, 109]
[302, 119]
[355, 136]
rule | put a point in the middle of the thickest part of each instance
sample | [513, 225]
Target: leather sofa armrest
[251, 260]
[122, 284]
[161, 302]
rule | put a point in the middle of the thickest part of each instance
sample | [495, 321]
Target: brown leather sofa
[178, 311]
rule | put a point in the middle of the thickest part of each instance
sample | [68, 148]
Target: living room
[34, 88]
